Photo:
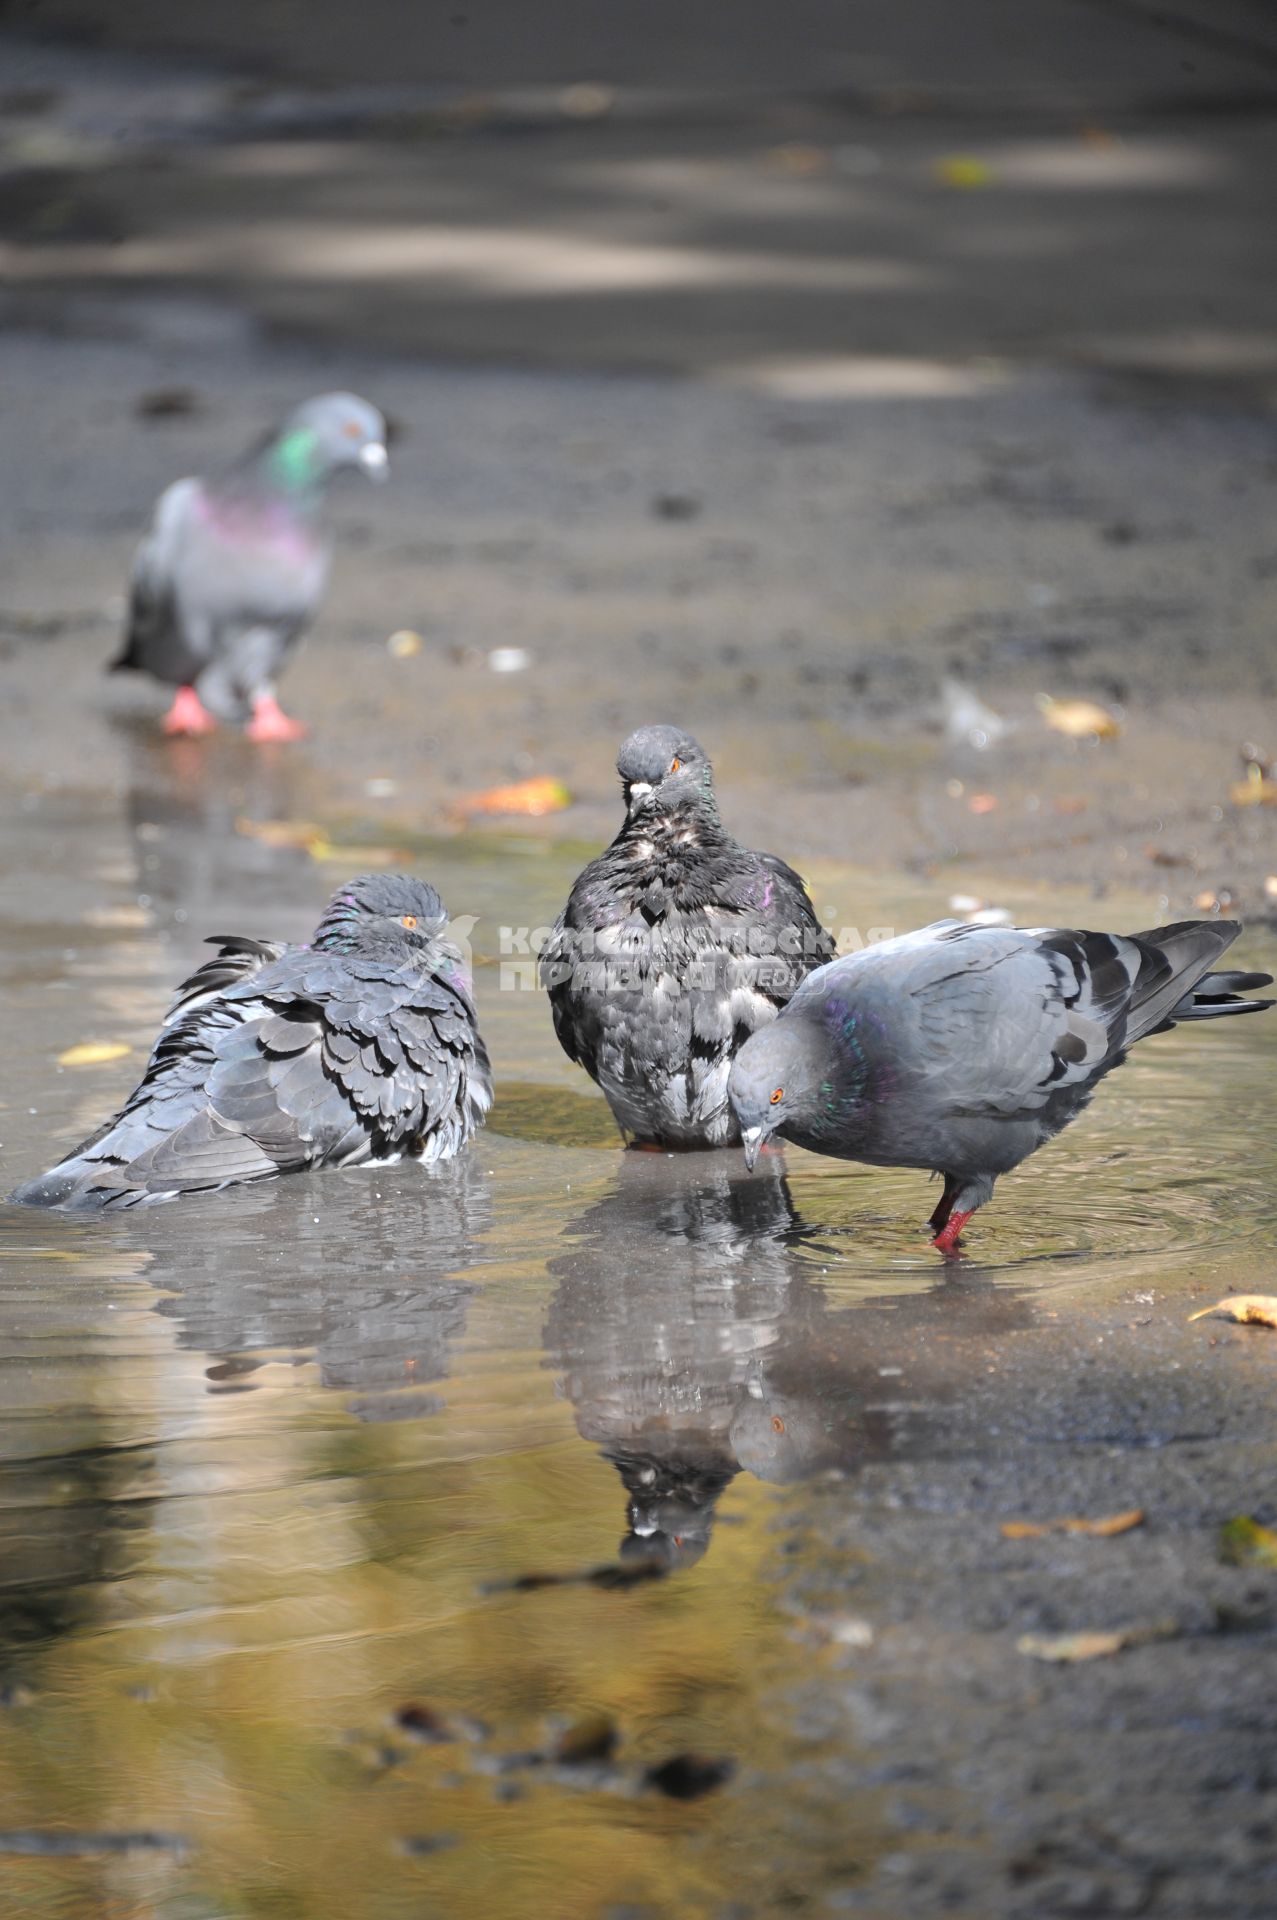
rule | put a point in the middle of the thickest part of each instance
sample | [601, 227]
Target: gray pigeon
[360, 1049]
[231, 571]
[675, 945]
[963, 1048]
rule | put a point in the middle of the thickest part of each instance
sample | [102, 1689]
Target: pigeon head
[671, 1506]
[324, 435]
[781, 1438]
[662, 768]
[779, 1079]
[382, 908]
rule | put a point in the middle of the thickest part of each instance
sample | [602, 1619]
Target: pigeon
[964, 1048]
[359, 1049]
[231, 571]
[675, 945]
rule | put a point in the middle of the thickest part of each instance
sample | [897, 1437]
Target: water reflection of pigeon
[359, 1048]
[376, 1292]
[656, 1354]
[231, 571]
[675, 945]
[692, 1333]
[964, 1048]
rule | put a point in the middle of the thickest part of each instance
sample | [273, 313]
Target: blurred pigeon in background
[964, 1048]
[359, 1049]
[675, 945]
[231, 571]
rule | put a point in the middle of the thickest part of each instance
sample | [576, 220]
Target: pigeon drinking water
[231, 571]
[675, 945]
[358, 1049]
[965, 1048]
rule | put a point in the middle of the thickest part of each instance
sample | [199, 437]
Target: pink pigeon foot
[188, 714]
[947, 1238]
[270, 722]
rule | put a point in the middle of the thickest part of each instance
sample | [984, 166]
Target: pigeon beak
[375, 461]
[752, 1141]
[636, 793]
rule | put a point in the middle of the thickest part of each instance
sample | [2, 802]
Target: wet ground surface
[327, 1509]
[794, 579]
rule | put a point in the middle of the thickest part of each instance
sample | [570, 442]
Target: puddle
[275, 1464]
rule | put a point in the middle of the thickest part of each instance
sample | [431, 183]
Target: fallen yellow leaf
[1067, 1648]
[1244, 1543]
[1258, 789]
[531, 797]
[964, 171]
[1078, 718]
[1251, 1309]
[798, 159]
[94, 1053]
[1064, 1647]
[280, 833]
[328, 850]
[1103, 1529]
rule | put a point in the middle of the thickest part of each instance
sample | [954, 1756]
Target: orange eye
[778, 1425]
[408, 920]
[353, 430]
[777, 1097]
[675, 764]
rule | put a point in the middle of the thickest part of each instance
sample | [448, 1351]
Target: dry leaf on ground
[530, 797]
[1251, 1309]
[280, 833]
[310, 837]
[94, 1053]
[964, 171]
[357, 858]
[1103, 1528]
[1069, 1648]
[1078, 718]
[1244, 1543]
[1258, 789]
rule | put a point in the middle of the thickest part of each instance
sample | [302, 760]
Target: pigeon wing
[569, 947]
[783, 907]
[404, 1049]
[1013, 1020]
[156, 640]
[238, 959]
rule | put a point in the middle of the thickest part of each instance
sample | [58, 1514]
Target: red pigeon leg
[947, 1238]
[188, 714]
[270, 722]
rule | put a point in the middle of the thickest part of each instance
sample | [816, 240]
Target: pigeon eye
[778, 1425]
[675, 764]
[353, 430]
[408, 920]
[777, 1097]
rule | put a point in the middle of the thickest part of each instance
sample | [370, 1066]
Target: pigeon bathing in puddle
[674, 947]
[359, 1049]
[962, 1048]
[231, 571]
